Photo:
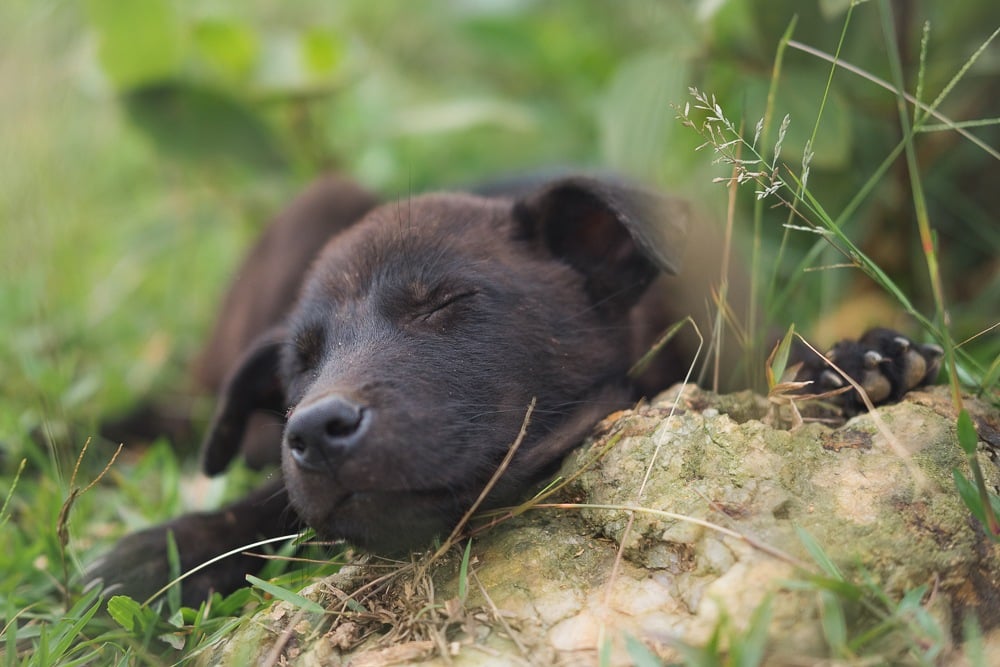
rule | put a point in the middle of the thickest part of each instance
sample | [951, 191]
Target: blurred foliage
[142, 146]
[407, 98]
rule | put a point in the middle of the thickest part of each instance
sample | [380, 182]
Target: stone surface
[720, 498]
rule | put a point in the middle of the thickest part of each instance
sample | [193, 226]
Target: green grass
[98, 233]
[120, 226]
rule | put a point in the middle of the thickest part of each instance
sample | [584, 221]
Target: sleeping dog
[387, 355]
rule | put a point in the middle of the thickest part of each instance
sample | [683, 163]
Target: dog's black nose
[320, 434]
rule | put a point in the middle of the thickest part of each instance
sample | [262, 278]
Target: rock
[814, 543]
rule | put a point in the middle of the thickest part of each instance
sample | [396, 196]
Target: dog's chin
[386, 523]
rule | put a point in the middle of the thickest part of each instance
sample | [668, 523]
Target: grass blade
[463, 572]
[286, 595]
[818, 555]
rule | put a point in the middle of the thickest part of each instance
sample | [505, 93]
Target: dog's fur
[398, 347]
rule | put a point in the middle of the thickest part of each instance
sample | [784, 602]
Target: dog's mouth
[384, 522]
[388, 497]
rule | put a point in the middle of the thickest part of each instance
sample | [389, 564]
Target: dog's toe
[883, 362]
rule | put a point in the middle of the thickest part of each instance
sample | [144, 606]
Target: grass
[101, 226]
[97, 235]
[773, 179]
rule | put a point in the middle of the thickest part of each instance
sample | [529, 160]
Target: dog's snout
[321, 434]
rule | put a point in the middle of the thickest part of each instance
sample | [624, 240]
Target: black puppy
[421, 333]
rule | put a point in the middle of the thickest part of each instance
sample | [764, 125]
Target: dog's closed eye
[439, 304]
[306, 349]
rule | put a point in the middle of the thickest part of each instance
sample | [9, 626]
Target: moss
[556, 578]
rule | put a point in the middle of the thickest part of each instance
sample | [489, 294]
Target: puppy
[387, 355]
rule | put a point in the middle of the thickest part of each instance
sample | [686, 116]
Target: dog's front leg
[138, 566]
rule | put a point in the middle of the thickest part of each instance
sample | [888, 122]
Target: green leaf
[11, 634]
[227, 47]
[810, 582]
[604, 655]
[463, 572]
[970, 495]
[286, 595]
[912, 600]
[131, 615]
[231, 604]
[125, 611]
[967, 436]
[69, 628]
[992, 375]
[138, 42]
[640, 653]
[174, 562]
[749, 650]
[834, 623]
[776, 370]
[995, 503]
[816, 551]
[322, 53]
[204, 126]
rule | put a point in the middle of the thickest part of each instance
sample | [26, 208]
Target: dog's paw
[885, 363]
[139, 566]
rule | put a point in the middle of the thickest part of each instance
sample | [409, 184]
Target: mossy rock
[572, 585]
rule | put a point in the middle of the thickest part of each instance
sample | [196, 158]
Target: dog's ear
[619, 236]
[253, 385]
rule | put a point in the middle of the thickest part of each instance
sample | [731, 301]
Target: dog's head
[420, 338]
